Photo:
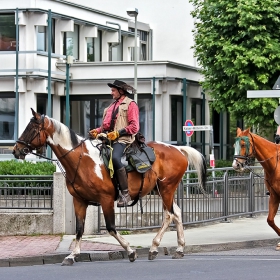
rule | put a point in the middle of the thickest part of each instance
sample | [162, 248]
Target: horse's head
[243, 149]
[33, 137]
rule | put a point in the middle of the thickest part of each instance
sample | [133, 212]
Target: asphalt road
[256, 264]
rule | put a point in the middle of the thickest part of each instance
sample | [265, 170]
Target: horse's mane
[62, 129]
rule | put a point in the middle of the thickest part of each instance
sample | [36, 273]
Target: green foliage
[237, 44]
[125, 232]
[222, 163]
[13, 167]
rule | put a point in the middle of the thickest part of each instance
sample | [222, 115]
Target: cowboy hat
[122, 85]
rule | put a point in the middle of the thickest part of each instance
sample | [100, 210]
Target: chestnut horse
[249, 145]
[88, 180]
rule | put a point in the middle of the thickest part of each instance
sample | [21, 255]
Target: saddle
[137, 157]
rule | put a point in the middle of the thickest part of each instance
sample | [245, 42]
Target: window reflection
[42, 37]
[94, 48]
[71, 43]
[7, 118]
[7, 32]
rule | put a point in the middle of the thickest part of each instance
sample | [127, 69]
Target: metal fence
[26, 192]
[228, 194]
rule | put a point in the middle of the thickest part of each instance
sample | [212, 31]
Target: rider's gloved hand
[113, 135]
[93, 133]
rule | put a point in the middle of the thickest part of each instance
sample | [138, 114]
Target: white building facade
[42, 41]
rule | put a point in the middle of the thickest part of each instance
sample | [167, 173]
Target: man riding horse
[121, 123]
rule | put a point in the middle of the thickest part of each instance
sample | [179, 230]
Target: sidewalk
[46, 249]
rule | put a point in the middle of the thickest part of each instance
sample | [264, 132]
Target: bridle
[248, 156]
[32, 131]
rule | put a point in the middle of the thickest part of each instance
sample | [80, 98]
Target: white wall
[170, 20]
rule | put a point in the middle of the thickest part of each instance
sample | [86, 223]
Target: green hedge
[13, 167]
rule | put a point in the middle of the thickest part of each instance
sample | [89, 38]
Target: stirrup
[123, 200]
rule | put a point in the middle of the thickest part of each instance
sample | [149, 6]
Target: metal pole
[17, 96]
[203, 122]
[154, 109]
[135, 61]
[49, 108]
[184, 107]
[67, 113]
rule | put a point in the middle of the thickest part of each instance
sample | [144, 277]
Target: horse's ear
[238, 131]
[37, 116]
[247, 130]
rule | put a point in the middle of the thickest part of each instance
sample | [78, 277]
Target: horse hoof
[132, 256]
[67, 262]
[178, 255]
[152, 255]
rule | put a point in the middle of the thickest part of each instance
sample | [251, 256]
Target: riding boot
[125, 197]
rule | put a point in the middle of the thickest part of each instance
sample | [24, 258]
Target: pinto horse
[249, 145]
[88, 180]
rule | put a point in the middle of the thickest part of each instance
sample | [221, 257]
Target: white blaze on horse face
[236, 153]
[94, 154]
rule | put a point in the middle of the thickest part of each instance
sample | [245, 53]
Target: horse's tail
[198, 162]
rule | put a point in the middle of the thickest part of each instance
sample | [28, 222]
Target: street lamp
[134, 13]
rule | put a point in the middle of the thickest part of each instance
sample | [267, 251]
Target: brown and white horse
[88, 180]
[249, 145]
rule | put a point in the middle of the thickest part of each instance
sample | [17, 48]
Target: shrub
[13, 167]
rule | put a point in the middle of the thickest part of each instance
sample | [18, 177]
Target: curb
[141, 252]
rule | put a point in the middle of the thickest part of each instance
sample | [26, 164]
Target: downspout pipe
[17, 96]
[120, 36]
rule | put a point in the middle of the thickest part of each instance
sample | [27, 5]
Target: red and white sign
[189, 133]
[212, 160]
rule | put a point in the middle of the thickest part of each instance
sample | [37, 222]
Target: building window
[7, 32]
[86, 112]
[7, 116]
[42, 37]
[42, 103]
[142, 51]
[116, 51]
[146, 116]
[71, 43]
[176, 118]
[94, 48]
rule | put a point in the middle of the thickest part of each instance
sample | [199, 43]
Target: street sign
[197, 128]
[188, 123]
[263, 93]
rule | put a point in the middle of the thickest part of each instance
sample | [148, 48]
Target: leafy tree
[237, 44]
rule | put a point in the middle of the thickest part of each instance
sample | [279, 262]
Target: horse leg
[109, 215]
[180, 232]
[167, 219]
[80, 213]
[273, 207]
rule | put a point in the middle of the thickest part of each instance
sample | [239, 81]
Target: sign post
[189, 133]
[193, 128]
